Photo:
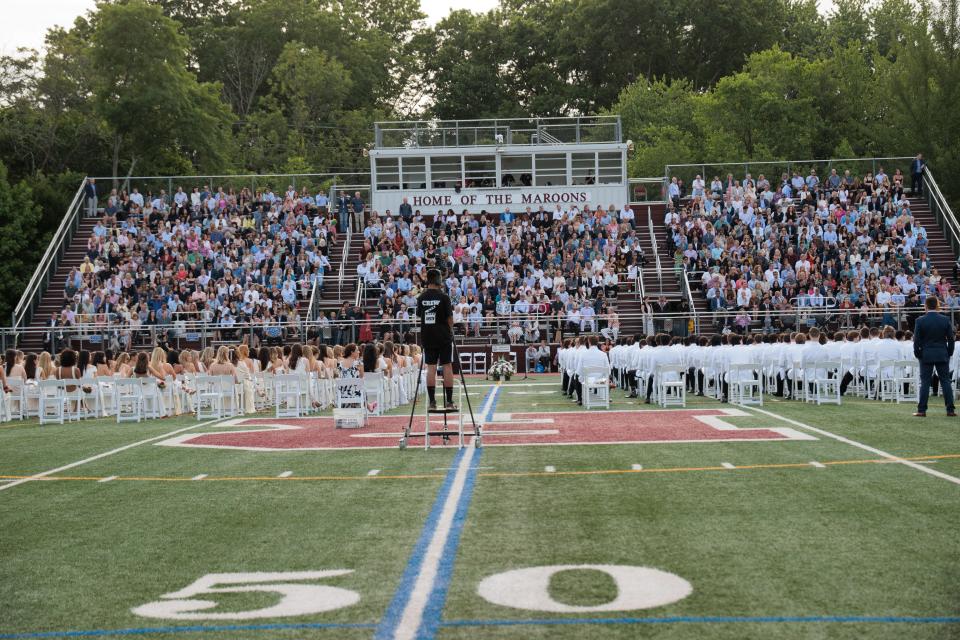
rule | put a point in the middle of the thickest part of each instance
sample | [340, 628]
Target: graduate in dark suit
[933, 346]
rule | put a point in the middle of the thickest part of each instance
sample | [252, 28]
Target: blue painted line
[391, 617]
[710, 620]
[92, 633]
[493, 405]
[433, 613]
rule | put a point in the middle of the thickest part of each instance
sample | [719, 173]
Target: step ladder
[446, 433]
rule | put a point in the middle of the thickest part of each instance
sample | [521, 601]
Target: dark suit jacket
[933, 338]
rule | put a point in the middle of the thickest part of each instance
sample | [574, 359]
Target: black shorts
[441, 355]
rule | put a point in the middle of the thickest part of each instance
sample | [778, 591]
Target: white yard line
[105, 454]
[853, 443]
[412, 615]
[419, 598]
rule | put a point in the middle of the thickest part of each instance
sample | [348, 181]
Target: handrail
[48, 261]
[787, 163]
[343, 259]
[656, 251]
[941, 209]
[199, 325]
[314, 301]
[203, 332]
[361, 288]
[690, 303]
[237, 176]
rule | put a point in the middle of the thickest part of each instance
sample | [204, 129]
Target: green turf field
[821, 535]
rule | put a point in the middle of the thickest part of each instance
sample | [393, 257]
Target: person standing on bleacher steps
[436, 334]
[933, 345]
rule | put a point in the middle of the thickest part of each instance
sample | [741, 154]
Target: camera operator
[436, 332]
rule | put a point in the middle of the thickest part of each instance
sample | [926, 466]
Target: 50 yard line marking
[105, 454]
[417, 605]
[860, 445]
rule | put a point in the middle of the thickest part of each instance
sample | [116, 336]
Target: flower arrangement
[501, 369]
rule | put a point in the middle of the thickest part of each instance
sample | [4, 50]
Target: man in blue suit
[916, 174]
[933, 346]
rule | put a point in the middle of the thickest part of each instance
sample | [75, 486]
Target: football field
[715, 521]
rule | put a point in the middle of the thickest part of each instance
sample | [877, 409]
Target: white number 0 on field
[295, 599]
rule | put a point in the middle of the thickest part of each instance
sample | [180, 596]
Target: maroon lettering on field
[518, 429]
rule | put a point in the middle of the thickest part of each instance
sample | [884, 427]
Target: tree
[466, 68]
[21, 239]
[766, 111]
[925, 86]
[152, 105]
[657, 116]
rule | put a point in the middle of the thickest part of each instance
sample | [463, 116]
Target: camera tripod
[445, 433]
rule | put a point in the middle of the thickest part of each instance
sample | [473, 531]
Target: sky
[26, 21]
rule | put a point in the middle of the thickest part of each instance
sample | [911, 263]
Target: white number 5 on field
[295, 599]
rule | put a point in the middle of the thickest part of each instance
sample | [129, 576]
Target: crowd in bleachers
[759, 245]
[87, 384]
[226, 258]
[535, 275]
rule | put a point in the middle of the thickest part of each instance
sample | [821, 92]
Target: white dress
[246, 381]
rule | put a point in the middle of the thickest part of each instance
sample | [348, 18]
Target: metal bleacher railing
[497, 132]
[47, 266]
[196, 334]
[941, 210]
[775, 168]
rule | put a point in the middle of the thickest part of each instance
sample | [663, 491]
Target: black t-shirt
[434, 310]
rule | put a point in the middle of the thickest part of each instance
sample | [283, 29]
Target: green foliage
[21, 239]
[145, 94]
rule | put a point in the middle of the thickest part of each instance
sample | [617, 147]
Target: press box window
[445, 172]
[414, 173]
[388, 173]
[551, 170]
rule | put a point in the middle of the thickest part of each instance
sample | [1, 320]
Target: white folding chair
[128, 399]
[826, 381]
[466, 363]
[152, 398]
[745, 385]
[31, 399]
[73, 399]
[886, 376]
[480, 362]
[373, 387]
[208, 399]
[106, 396]
[263, 386]
[671, 387]
[15, 401]
[228, 390]
[906, 378]
[52, 401]
[287, 395]
[5, 401]
[596, 387]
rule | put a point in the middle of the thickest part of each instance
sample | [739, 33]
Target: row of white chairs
[206, 396]
[477, 362]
